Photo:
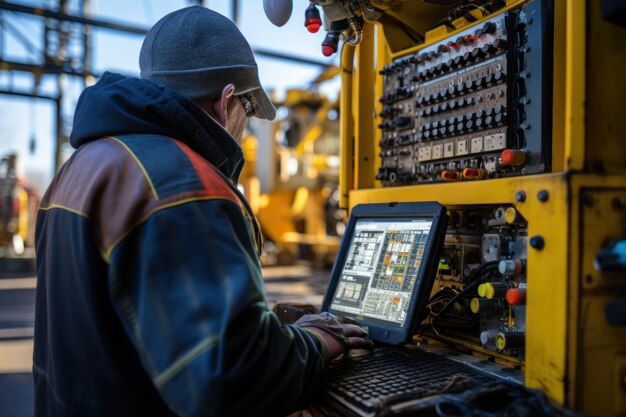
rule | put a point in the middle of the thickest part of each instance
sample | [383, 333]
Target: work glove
[335, 334]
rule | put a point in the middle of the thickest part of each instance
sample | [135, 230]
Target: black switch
[500, 43]
[489, 49]
[488, 28]
[477, 54]
[402, 121]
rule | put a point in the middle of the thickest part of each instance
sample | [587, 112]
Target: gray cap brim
[263, 107]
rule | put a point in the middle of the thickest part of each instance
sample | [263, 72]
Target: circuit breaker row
[468, 107]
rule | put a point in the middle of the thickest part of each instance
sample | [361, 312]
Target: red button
[450, 176]
[516, 296]
[513, 157]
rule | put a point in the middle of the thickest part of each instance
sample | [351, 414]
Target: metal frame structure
[59, 25]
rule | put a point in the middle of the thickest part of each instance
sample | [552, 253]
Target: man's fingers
[360, 343]
[345, 320]
[353, 330]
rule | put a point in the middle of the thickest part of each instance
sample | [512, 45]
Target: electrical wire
[456, 383]
[467, 397]
[475, 279]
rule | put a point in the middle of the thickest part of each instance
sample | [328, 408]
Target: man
[150, 295]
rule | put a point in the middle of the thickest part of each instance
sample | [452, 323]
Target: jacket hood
[118, 105]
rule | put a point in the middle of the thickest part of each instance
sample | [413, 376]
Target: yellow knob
[475, 305]
[510, 215]
[489, 290]
[482, 290]
[500, 341]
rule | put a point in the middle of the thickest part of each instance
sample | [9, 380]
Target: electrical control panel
[472, 106]
[479, 294]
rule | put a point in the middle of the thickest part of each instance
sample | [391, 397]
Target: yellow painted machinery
[295, 195]
[18, 207]
[509, 113]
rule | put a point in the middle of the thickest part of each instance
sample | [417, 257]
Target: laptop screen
[386, 266]
[379, 273]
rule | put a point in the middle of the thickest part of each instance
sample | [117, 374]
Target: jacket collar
[118, 105]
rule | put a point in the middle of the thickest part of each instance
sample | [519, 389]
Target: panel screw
[543, 195]
[537, 242]
[520, 196]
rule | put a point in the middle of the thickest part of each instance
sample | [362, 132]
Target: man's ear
[220, 106]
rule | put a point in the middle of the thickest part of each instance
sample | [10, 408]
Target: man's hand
[336, 334]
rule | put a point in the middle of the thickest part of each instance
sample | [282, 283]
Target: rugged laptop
[382, 278]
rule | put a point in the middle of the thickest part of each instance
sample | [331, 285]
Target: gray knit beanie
[197, 52]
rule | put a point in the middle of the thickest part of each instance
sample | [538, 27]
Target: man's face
[228, 111]
[236, 118]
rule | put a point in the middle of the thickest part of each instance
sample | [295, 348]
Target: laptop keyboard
[364, 381]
